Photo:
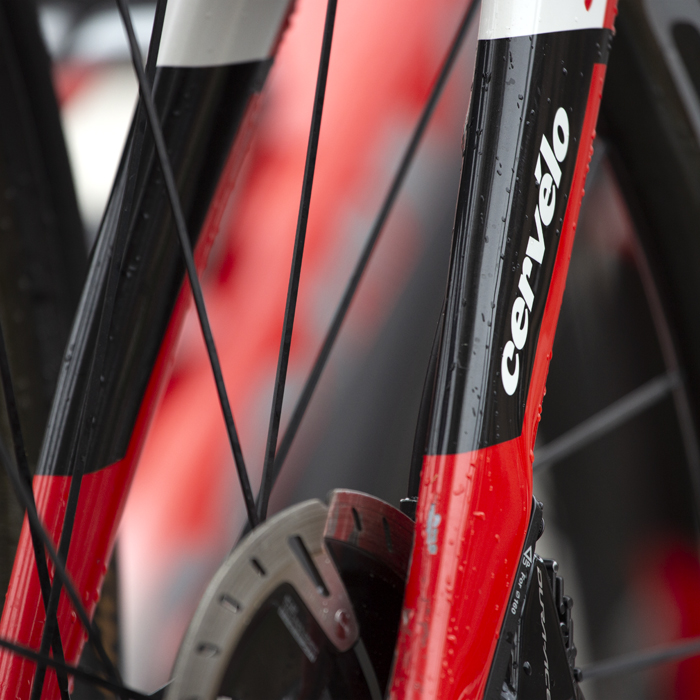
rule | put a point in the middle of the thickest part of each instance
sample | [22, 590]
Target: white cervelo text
[548, 183]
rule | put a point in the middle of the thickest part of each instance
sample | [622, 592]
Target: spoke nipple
[527, 668]
[578, 675]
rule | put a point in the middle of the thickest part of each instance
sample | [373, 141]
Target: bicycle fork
[526, 149]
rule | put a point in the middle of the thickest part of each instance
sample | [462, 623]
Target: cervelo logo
[553, 155]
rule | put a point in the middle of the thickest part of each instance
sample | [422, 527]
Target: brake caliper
[535, 656]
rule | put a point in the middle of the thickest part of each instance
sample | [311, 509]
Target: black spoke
[181, 229]
[641, 660]
[156, 35]
[368, 670]
[65, 669]
[377, 227]
[295, 273]
[606, 420]
[686, 419]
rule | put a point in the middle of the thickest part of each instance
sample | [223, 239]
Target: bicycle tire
[42, 247]
[642, 481]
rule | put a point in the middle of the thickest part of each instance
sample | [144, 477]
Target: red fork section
[472, 517]
[102, 491]
[470, 527]
[101, 502]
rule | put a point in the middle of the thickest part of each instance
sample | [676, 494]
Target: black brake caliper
[535, 655]
[543, 662]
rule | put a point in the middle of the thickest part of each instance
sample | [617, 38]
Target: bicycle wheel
[625, 496]
[42, 248]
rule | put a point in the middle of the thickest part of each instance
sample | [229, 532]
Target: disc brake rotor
[307, 607]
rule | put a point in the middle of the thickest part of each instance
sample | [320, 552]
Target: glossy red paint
[102, 497]
[24, 619]
[472, 517]
[470, 527]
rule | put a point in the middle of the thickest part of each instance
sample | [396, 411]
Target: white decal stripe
[507, 18]
[219, 32]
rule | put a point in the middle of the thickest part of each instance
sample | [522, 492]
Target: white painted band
[219, 32]
[508, 18]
